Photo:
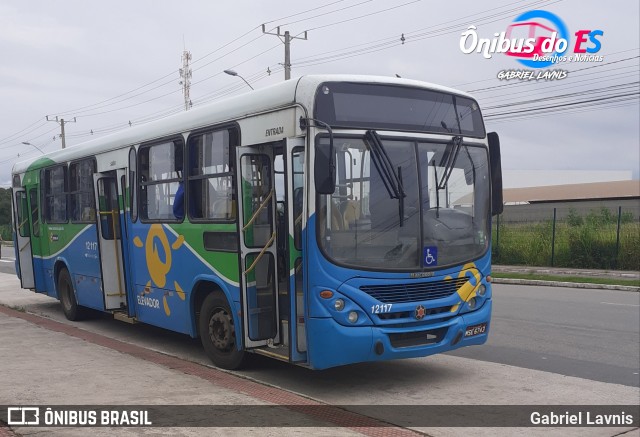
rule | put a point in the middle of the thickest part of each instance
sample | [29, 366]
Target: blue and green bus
[323, 221]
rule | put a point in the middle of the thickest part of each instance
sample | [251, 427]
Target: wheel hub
[221, 330]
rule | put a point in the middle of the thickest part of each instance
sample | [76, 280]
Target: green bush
[592, 245]
[6, 233]
[574, 219]
[588, 242]
[629, 254]
[524, 244]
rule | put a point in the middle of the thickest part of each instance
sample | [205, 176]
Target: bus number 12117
[383, 308]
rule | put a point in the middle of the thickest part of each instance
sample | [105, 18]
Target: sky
[111, 63]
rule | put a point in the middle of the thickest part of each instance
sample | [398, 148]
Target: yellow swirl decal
[469, 288]
[159, 259]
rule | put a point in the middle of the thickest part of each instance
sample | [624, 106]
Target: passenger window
[55, 196]
[35, 212]
[23, 213]
[161, 176]
[82, 203]
[211, 190]
[133, 186]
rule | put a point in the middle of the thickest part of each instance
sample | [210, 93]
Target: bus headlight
[353, 317]
[338, 304]
[482, 290]
[472, 303]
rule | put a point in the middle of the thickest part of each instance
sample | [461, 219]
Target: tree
[5, 206]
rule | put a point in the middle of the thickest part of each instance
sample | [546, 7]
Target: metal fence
[579, 236]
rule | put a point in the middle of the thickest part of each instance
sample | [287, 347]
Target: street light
[233, 73]
[29, 144]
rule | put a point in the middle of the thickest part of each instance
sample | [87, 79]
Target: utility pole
[61, 122]
[185, 74]
[287, 51]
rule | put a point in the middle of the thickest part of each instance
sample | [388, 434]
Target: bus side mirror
[325, 167]
[496, 173]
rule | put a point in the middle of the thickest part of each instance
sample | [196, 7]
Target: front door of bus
[23, 238]
[257, 212]
[110, 215]
[294, 153]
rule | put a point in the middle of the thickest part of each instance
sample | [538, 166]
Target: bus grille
[414, 292]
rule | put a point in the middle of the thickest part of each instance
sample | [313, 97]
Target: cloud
[28, 31]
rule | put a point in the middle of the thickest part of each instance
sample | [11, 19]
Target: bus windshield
[437, 222]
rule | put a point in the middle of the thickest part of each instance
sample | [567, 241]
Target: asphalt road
[7, 258]
[591, 334]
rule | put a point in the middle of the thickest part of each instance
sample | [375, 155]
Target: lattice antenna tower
[185, 75]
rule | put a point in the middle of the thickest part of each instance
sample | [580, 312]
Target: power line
[542, 88]
[564, 96]
[325, 13]
[15, 158]
[226, 92]
[565, 111]
[457, 85]
[541, 108]
[40, 122]
[570, 71]
[302, 13]
[95, 107]
[395, 39]
[387, 43]
[363, 16]
[101, 104]
[30, 139]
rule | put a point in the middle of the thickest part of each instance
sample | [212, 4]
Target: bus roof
[274, 96]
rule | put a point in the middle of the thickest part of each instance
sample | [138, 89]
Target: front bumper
[332, 344]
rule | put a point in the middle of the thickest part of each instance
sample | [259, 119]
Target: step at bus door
[23, 238]
[109, 206]
[295, 178]
[257, 213]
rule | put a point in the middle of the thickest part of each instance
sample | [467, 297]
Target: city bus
[322, 221]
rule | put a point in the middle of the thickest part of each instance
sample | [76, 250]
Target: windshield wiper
[392, 181]
[384, 166]
[435, 173]
[449, 159]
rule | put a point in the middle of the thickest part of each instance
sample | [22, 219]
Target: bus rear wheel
[70, 307]
[218, 333]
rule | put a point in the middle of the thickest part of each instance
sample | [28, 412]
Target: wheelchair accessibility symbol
[430, 256]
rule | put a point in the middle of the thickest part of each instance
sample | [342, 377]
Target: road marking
[7, 260]
[621, 304]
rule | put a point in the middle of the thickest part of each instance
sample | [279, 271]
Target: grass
[580, 242]
[575, 279]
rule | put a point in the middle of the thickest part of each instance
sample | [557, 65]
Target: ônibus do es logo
[536, 39]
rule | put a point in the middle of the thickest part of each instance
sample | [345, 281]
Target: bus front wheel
[218, 333]
[70, 307]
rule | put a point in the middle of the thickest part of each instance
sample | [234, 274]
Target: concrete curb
[564, 284]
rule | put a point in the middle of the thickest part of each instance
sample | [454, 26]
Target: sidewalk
[64, 365]
[558, 271]
[568, 272]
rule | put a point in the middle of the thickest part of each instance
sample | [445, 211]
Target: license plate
[475, 330]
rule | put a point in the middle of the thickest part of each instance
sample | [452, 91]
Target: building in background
[535, 203]
[542, 178]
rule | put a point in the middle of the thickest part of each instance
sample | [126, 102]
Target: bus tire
[218, 333]
[70, 307]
